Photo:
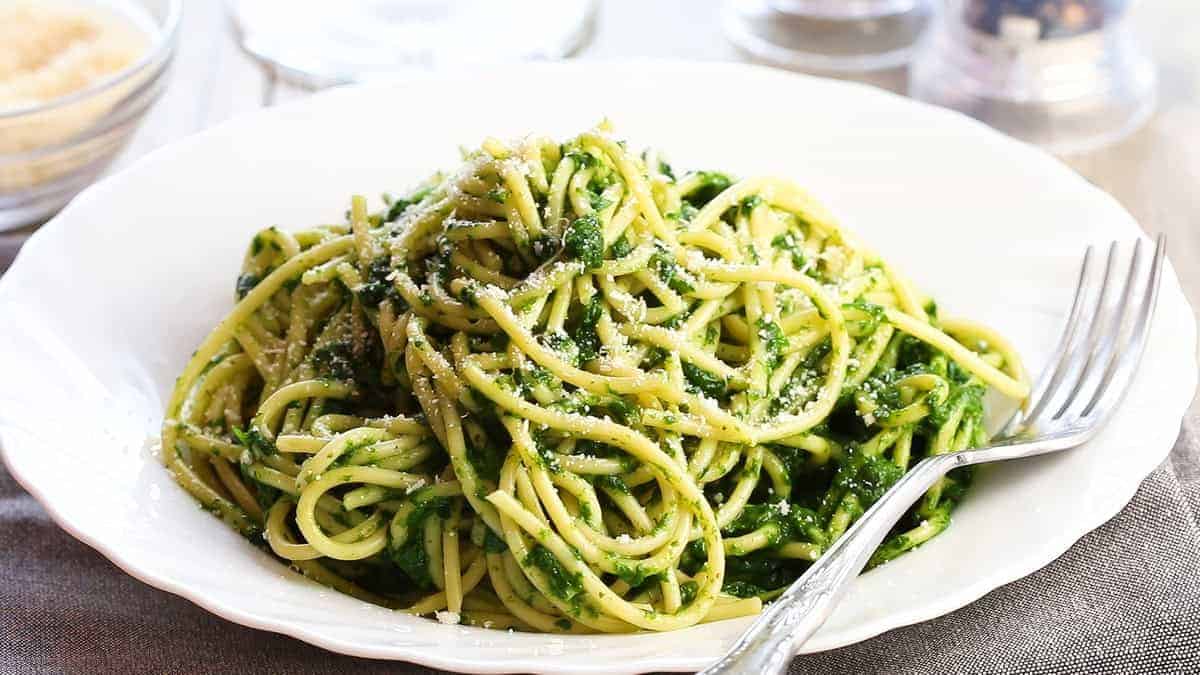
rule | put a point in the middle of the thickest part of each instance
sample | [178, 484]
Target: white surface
[105, 303]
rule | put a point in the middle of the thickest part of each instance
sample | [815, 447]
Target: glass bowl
[319, 43]
[51, 151]
[830, 37]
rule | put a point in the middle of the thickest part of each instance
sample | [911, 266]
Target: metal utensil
[1089, 373]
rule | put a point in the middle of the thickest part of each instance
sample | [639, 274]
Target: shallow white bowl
[105, 303]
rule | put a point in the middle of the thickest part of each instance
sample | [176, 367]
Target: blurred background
[1111, 86]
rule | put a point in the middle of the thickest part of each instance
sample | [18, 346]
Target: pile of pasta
[566, 389]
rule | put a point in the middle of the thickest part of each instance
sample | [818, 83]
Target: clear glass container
[51, 151]
[1067, 75]
[319, 43]
[833, 36]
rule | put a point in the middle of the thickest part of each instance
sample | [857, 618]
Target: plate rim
[1102, 511]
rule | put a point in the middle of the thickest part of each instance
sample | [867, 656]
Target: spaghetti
[563, 389]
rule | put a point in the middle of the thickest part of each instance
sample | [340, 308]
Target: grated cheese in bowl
[52, 49]
[76, 76]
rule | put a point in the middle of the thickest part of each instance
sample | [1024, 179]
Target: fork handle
[768, 645]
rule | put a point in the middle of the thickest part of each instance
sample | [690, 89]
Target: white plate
[105, 303]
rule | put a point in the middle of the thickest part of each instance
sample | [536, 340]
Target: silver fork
[1089, 373]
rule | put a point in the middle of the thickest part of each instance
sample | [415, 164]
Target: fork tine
[1082, 359]
[1103, 353]
[1079, 324]
[1119, 375]
[1068, 331]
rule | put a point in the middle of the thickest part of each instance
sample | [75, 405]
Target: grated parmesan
[447, 617]
[52, 49]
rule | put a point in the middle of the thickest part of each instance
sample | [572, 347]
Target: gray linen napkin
[1125, 599]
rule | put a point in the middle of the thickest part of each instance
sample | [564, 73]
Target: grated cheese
[52, 49]
[448, 617]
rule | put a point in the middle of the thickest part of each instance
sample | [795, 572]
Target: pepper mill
[1067, 75]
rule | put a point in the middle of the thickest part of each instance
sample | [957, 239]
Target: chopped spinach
[584, 241]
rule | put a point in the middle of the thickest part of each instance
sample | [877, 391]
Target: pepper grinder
[1067, 75]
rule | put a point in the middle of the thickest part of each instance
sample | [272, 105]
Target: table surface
[1154, 172]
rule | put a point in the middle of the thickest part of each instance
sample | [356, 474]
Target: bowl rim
[128, 110]
[162, 48]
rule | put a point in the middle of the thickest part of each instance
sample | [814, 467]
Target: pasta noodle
[564, 389]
